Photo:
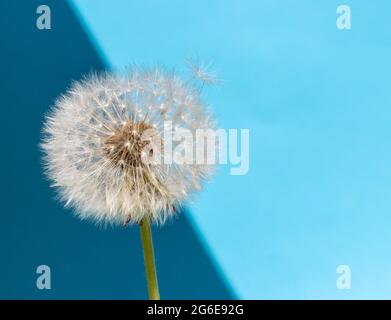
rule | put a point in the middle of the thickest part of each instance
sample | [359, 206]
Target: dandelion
[94, 144]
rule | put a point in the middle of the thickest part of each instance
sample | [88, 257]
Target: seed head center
[126, 145]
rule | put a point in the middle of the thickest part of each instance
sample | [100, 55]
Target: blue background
[316, 100]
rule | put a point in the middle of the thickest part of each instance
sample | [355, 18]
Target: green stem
[149, 258]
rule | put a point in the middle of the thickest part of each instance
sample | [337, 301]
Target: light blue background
[317, 102]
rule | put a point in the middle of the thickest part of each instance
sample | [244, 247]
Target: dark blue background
[85, 261]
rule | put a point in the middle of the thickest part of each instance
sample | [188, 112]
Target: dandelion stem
[149, 258]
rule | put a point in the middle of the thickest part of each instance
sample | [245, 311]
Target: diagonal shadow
[86, 262]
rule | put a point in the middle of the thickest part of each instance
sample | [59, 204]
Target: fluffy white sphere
[92, 147]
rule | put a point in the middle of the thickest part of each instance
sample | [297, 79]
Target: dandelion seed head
[94, 144]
